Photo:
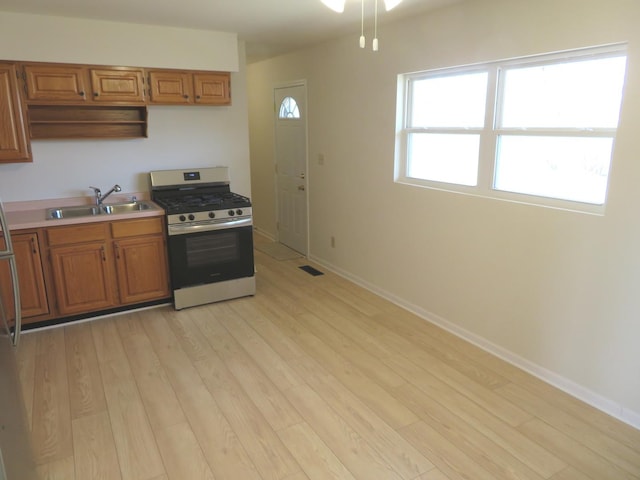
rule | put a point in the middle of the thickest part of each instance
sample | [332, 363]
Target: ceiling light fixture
[338, 6]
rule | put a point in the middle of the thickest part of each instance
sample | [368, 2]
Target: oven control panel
[213, 215]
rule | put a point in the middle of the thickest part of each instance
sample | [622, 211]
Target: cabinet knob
[96, 94]
[197, 97]
[186, 96]
[81, 94]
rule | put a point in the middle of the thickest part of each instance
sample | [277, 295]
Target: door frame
[293, 83]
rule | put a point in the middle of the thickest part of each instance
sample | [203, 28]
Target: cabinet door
[170, 87]
[14, 142]
[56, 84]
[83, 277]
[212, 88]
[117, 85]
[33, 294]
[142, 268]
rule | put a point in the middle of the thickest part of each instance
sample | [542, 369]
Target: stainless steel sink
[92, 210]
[73, 212]
[131, 207]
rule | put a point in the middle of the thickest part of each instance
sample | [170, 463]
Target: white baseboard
[574, 389]
[264, 233]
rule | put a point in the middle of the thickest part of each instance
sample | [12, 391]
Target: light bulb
[389, 4]
[362, 41]
[375, 44]
[335, 5]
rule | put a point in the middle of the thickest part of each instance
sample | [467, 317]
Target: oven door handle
[182, 229]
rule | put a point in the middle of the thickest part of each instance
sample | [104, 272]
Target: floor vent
[310, 270]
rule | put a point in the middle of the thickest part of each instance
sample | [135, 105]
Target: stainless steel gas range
[209, 235]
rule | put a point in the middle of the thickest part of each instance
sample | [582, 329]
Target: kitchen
[224, 133]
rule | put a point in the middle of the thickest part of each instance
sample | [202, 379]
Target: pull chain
[362, 40]
[375, 28]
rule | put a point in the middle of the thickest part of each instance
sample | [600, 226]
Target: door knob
[301, 188]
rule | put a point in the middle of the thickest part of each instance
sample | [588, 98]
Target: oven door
[203, 255]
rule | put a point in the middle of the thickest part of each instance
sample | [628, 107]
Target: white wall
[555, 291]
[178, 136]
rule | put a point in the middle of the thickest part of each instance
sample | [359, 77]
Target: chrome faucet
[101, 198]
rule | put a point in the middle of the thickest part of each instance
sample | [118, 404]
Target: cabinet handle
[33, 246]
[104, 255]
[117, 247]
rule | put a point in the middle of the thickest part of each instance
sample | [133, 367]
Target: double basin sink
[92, 210]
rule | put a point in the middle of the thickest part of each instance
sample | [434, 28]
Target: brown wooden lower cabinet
[141, 260]
[83, 278]
[104, 265]
[33, 293]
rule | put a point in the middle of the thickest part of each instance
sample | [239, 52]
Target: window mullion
[488, 139]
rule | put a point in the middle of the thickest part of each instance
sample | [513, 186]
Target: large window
[539, 129]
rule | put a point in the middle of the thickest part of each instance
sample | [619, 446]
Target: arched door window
[289, 108]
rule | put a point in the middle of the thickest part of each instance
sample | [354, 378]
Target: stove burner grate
[186, 203]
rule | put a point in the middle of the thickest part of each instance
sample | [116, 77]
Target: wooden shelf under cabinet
[70, 121]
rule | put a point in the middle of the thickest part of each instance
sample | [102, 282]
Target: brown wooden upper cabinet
[14, 139]
[179, 87]
[73, 84]
[118, 85]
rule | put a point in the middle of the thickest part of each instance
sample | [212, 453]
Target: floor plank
[85, 383]
[63, 469]
[576, 454]
[315, 457]
[51, 430]
[362, 460]
[95, 451]
[609, 448]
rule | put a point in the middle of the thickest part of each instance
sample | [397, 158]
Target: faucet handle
[96, 190]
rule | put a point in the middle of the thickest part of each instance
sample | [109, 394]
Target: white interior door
[291, 166]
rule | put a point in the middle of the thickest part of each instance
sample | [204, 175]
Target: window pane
[444, 157]
[581, 94]
[449, 101]
[289, 108]
[568, 168]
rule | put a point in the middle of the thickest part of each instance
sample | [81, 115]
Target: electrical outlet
[333, 242]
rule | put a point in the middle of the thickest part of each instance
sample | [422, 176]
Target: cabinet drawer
[77, 234]
[132, 228]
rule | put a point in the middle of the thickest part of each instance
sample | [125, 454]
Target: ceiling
[269, 27]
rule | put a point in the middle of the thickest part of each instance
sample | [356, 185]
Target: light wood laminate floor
[313, 378]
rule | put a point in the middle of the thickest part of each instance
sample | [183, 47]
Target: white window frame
[490, 133]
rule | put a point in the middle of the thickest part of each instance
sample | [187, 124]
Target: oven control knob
[182, 218]
[231, 213]
[191, 217]
[238, 212]
[212, 215]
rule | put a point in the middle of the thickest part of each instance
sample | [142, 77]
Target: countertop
[32, 214]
